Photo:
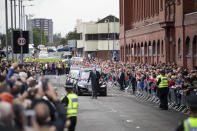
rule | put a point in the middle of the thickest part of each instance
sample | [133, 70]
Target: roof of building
[111, 18]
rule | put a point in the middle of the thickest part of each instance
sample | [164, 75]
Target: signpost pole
[21, 42]
[21, 54]
[12, 30]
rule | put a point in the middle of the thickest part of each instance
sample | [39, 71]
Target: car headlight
[83, 86]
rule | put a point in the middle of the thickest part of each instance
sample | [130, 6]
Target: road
[121, 112]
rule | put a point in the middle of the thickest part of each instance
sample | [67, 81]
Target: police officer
[43, 68]
[190, 124]
[163, 91]
[59, 68]
[71, 102]
[67, 68]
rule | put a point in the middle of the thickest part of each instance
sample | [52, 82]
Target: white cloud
[65, 12]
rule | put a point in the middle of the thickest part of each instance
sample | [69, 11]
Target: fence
[177, 98]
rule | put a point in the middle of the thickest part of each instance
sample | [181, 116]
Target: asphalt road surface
[120, 111]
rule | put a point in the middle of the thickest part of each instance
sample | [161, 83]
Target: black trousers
[59, 71]
[73, 123]
[94, 92]
[121, 86]
[163, 96]
[67, 70]
[43, 72]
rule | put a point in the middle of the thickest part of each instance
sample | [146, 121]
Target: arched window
[138, 49]
[154, 48]
[145, 50]
[158, 47]
[161, 5]
[178, 2]
[188, 45]
[162, 52]
[149, 49]
[142, 49]
[179, 47]
[195, 45]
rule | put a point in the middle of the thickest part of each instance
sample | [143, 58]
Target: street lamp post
[6, 22]
[15, 14]
[31, 30]
[19, 14]
[107, 20]
[25, 17]
[114, 37]
[21, 27]
[11, 10]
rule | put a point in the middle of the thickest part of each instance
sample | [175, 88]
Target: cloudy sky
[65, 12]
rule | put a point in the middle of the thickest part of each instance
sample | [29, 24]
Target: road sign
[17, 47]
[21, 41]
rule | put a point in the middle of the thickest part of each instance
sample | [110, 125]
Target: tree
[3, 39]
[63, 41]
[39, 37]
[57, 37]
[72, 35]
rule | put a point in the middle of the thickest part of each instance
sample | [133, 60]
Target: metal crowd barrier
[177, 98]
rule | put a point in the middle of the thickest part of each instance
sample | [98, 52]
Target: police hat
[68, 86]
[192, 101]
[162, 72]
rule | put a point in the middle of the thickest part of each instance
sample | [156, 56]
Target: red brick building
[159, 31]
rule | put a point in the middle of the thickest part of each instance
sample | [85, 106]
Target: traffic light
[16, 47]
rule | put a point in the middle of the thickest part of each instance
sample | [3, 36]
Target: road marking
[137, 127]
[129, 121]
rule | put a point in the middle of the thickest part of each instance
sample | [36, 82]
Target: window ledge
[188, 56]
[179, 56]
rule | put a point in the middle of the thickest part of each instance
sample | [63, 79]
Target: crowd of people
[144, 78]
[54, 68]
[28, 101]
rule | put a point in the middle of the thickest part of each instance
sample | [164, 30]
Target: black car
[85, 88]
[2, 54]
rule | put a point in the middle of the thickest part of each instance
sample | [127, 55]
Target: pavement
[120, 111]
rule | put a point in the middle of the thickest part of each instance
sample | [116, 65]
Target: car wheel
[103, 93]
[78, 92]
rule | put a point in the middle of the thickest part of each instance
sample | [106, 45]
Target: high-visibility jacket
[59, 65]
[159, 76]
[190, 124]
[43, 67]
[164, 82]
[72, 105]
[67, 66]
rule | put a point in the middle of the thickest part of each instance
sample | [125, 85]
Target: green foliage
[3, 39]
[72, 35]
[39, 37]
[57, 37]
[63, 41]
